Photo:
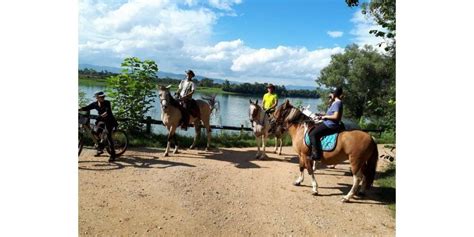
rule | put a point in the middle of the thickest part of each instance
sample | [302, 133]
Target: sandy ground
[225, 192]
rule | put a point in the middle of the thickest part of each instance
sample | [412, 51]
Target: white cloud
[362, 25]
[224, 4]
[177, 36]
[335, 34]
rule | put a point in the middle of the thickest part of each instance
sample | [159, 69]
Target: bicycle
[119, 137]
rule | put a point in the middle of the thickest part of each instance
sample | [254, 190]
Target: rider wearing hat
[184, 93]
[270, 99]
[106, 118]
[330, 124]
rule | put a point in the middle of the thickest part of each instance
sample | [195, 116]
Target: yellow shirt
[269, 100]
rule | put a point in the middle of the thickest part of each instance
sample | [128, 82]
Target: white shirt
[185, 87]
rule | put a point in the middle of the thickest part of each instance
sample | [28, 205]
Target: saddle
[328, 143]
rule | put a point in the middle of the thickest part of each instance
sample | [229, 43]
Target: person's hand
[103, 115]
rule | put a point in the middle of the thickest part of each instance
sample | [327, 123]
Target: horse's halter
[286, 115]
[255, 113]
[164, 102]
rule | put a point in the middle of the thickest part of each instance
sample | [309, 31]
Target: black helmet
[337, 92]
[99, 94]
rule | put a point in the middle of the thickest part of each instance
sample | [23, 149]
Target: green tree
[383, 13]
[368, 80]
[133, 91]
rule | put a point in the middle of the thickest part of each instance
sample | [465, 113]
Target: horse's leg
[168, 140]
[362, 187]
[311, 167]
[209, 134]
[257, 139]
[175, 144]
[281, 145]
[276, 144]
[300, 179]
[197, 134]
[264, 140]
[355, 186]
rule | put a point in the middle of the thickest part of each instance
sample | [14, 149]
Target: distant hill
[162, 74]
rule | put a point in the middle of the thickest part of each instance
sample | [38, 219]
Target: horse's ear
[250, 100]
[287, 101]
[161, 87]
[256, 102]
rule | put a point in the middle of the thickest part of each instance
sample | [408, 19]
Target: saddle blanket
[328, 143]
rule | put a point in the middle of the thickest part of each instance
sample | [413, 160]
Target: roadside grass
[386, 182]
[222, 139]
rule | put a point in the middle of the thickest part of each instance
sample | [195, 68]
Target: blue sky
[283, 42]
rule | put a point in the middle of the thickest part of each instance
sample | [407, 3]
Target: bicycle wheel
[120, 142]
[81, 142]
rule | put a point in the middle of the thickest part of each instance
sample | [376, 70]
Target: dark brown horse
[356, 146]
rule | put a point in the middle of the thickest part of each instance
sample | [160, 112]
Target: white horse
[261, 125]
[171, 117]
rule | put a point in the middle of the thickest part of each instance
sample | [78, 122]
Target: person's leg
[110, 141]
[99, 128]
[315, 138]
[184, 115]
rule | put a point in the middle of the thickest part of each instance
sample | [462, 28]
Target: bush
[133, 91]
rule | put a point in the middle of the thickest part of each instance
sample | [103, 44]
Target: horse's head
[285, 113]
[254, 110]
[165, 96]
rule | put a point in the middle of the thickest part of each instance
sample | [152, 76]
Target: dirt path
[220, 193]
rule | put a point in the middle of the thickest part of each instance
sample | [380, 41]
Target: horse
[171, 117]
[262, 128]
[356, 146]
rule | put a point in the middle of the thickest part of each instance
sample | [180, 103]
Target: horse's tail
[371, 166]
[211, 100]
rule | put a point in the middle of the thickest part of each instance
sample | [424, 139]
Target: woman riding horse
[330, 124]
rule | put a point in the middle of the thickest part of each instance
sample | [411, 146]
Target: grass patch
[386, 182]
[386, 137]
[91, 81]
[222, 139]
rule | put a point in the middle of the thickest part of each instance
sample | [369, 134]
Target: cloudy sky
[283, 42]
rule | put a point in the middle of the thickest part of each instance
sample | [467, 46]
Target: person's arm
[275, 103]
[88, 107]
[337, 115]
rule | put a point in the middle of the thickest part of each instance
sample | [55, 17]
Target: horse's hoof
[344, 200]
[314, 193]
[175, 152]
[297, 183]
[166, 154]
[263, 156]
[361, 194]
[207, 149]
[257, 156]
[279, 153]
[191, 147]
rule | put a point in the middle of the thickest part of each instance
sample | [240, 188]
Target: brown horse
[171, 116]
[262, 129]
[356, 145]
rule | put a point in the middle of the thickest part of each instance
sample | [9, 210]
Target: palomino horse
[356, 145]
[261, 125]
[171, 116]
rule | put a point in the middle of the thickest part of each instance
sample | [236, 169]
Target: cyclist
[105, 118]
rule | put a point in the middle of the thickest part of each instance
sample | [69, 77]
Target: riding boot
[315, 154]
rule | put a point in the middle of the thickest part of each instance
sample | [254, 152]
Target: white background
[38, 169]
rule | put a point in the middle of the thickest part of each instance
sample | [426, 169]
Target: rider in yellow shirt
[270, 99]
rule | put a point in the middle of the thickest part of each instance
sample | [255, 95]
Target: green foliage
[383, 13]
[82, 99]
[133, 91]
[261, 88]
[368, 80]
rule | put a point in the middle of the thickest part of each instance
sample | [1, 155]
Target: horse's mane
[295, 116]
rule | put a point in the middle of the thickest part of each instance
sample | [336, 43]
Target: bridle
[256, 112]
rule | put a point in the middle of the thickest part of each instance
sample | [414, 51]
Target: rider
[106, 118]
[184, 93]
[270, 99]
[330, 124]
